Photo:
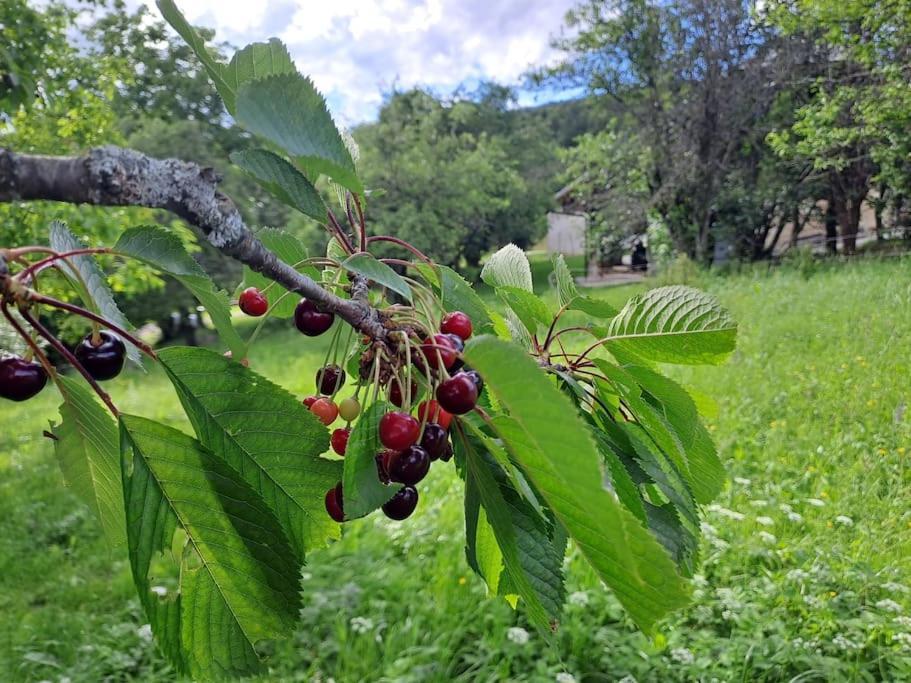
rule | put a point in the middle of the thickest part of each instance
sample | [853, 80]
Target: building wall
[566, 233]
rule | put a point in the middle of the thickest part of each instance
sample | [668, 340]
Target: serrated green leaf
[361, 486]
[457, 295]
[163, 250]
[287, 110]
[508, 267]
[238, 577]
[620, 480]
[96, 294]
[256, 60]
[674, 325]
[88, 455]
[282, 180]
[481, 550]
[566, 283]
[367, 265]
[528, 307]
[262, 432]
[290, 250]
[596, 308]
[554, 448]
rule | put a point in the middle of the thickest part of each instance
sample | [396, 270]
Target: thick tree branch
[113, 176]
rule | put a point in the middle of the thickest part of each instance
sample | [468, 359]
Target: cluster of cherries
[101, 355]
[410, 443]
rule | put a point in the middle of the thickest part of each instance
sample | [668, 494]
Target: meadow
[806, 564]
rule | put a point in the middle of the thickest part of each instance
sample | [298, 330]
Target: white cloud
[357, 49]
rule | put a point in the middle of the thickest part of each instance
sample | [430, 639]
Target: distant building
[567, 227]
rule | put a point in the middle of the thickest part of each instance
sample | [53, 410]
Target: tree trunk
[831, 223]
[847, 210]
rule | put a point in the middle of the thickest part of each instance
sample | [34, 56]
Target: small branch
[402, 243]
[113, 176]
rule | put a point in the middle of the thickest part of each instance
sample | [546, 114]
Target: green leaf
[458, 295]
[290, 250]
[254, 61]
[674, 325]
[525, 540]
[164, 251]
[86, 447]
[508, 268]
[528, 307]
[361, 486]
[481, 550]
[596, 308]
[566, 283]
[238, 576]
[282, 180]
[546, 438]
[287, 110]
[96, 294]
[366, 265]
[262, 432]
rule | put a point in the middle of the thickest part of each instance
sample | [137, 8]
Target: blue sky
[356, 50]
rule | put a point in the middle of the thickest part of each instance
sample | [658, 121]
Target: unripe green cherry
[349, 409]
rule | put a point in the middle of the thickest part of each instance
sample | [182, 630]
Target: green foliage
[364, 492]
[282, 180]
[377, 271]
[508, 267]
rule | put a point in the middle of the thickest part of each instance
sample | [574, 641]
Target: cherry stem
[33, 347]
[563, 331]
[553, 324]
[339, 232]
[402, 243]
[360, 215]
[38, 266]
[78, 310]
[70, 358]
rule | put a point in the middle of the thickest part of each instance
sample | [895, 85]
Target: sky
[357, 50]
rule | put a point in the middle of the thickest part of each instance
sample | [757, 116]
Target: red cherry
[325, 409]
[396, 388]
[434, 440]
[402, 504]
[21, 379]
[335, 503]
[456, 323]
[438, 348]
[329, 379]
[411, 466]
[430, 411]
[310, 320]
[398, 430]
[253, 302]
[310, 400]
[339, 440]
[458, 394]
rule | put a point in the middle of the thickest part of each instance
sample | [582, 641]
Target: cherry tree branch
[114, 176]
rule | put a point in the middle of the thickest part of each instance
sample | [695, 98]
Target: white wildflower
[766, 537]
[816, 502]
[844, 520]
[784, 507]
[903, 621]
[707, 529]
[742, 481]
[725, 512]
[518, 635]
[765, 521]
[758, 503]
[564, 677]
[795, 517]
[893, 587]
[889, 606]
[797, 575]
[578, 598]
[682, 655]
[904, 639]
[627, 679]
[160, 591]
[843, 643]
[361, 624]
[145, 632]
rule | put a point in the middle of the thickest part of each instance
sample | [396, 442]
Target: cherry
[402, 504]
[349, 409]
[396, 387]
[339, 440]
[330, 379]
[103, 360]
[398, 430]
[434, 440]
[310, 320]
[21, 379]
[253, 302]
[335, 503]
[309, 401]
[446, 455]
[430, 411]
[456, 323]
[438, 348]
[325, 409]
[459, 345]
[458, 394]
[410, 466]
[476, 378]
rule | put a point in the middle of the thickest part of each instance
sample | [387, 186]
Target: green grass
[807, 560]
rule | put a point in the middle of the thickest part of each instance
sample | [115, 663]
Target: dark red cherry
[335, 503]
[456, 323]
[339, 440]
[459, 345]
[253, 302]
[439, 348]
[458, 394]
[21, 379]
[446, 455]
[330, 379]
[310, 400]
[434, 440]
[103, 360]
[402, 504]
[476, 378]
[431, 412]
[395, 391]
[310, 320]
[398, 430]
[411, 466]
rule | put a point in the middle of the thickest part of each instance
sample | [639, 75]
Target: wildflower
[160, 591]
[795, 517]
[784, 507]
[742, 481]
[724, 512]
[894, 587]
[361, 624]
[627, 679]
[145, 632]
[758, 503]
[518, 635]
[889, 606]
[682, 655]
[904, 639]
[707, 529]
[816, 502]
[903, 621]
[564, 677]
[796, 575]
[845, 644]
[765, 521]
[579, 598]
[766, 537]
[844, 520]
